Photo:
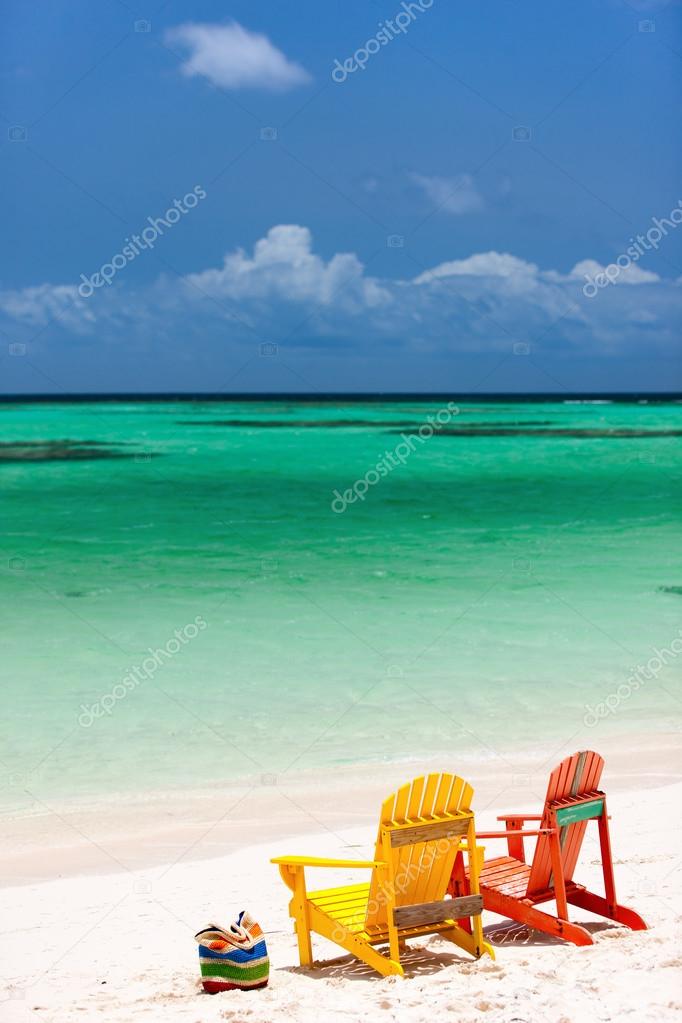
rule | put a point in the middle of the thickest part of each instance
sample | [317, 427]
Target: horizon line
[472, 396]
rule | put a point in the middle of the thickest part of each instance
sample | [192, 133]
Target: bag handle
[235, 935]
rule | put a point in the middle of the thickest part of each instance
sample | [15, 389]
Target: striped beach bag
[233, 957]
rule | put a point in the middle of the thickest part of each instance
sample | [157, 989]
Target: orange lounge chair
[513, 888]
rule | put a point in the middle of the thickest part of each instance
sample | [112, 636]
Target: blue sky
[440, 219]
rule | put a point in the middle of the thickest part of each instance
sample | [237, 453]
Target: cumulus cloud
[282, 289]
[232, 57]
[632, 274]
[483, 264]
[456, 195]
[284, 267]
[41, 303]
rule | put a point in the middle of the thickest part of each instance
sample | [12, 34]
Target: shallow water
[485, 589]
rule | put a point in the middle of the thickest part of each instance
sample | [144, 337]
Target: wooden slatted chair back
[568, 804]
[420, 827]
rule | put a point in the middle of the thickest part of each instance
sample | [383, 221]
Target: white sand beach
[116, 943]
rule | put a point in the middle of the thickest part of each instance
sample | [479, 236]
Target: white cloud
[283, 290]
[283, 266]
[232, 57]
[632, 274]
[455, 195]
[41, 303]
[482, 264]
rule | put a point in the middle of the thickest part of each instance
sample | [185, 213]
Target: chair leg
[606, 857]
[466, 940]
[394, 942]
[364, 951]
[596, 904]
[458, 884]
[298, 909]
[525, 914]
[515, 847]
[475, 856]
[558, 876]
[305, 948]
[381, 963]
[353, 943]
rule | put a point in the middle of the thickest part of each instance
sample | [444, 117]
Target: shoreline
[119, 946]
[124, 832]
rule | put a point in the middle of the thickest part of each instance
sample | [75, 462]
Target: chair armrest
[316, 861]
[515, 834]
[519, 817]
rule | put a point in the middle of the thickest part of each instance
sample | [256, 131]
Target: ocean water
[496, 582]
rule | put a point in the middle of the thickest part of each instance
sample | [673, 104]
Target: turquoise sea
[497, 579]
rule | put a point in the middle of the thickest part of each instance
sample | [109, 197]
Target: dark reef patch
[287, 424]
[334, 424]
[61, 451]
[587, 432]
[505, 426]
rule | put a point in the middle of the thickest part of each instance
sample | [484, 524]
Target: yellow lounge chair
[422, 827]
